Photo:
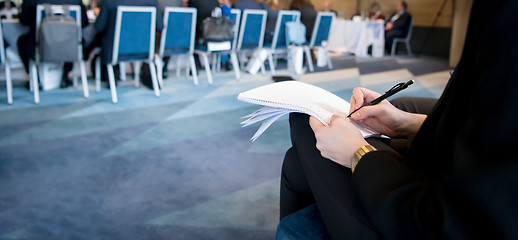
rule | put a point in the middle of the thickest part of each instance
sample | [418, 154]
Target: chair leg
[309, 59]
[393, 52]
[214, 62]
[84, 80]
[74, 75]
[329, 63]
[111, 80]
[235, 64]
[159, 69]
[409, 50]
[34, 79]
[178, 73]
[98, 74]
[8, 83]
[219, 62]
[152, 71]
[137, 73]
[270, 59]
[193, 69]
[207, 66]
[122, 68]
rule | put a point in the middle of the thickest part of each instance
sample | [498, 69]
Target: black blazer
[401, 25]
[105, 23]
[28, 17]
[460, 178]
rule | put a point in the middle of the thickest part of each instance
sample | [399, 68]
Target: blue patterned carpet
[175, 167]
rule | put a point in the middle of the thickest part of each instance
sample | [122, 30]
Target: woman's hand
[339, 140]
[384, 117]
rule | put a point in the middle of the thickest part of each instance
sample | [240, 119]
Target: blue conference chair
[279, 37]
[206, 49]
[320, 35]
[134, 41]
[235, 17]
[178, 37]
[405, 40]
[251, 34]
[75, 12]
[5, 62]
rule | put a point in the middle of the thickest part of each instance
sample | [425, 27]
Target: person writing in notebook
[457, 179]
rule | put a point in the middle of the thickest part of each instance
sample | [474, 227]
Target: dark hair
[403, 3]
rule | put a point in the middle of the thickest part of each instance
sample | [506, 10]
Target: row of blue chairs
[134, 41]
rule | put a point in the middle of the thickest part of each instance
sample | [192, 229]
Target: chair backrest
[410, 27]
[235, 17]
[321, 29]
[252, 29]
[279, 37]
[134, 34]
[75, 12]
[178, 33]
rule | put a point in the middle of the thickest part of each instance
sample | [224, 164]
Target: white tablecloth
[355, 37]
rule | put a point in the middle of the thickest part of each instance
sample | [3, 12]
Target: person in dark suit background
[27, 41]
[457, 179]
[247, 4]
[162, 4]
[105, 23]
[308, 14]
[204, 8]
[398, 25]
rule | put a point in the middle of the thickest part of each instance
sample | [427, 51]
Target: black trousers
[309, 178]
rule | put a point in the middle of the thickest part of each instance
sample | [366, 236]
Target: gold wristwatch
[359, 154]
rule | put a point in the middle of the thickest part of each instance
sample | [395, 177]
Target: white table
[355, 37]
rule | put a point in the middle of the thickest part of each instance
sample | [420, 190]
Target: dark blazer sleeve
[101, 23]
[459, 181]
[28, 14]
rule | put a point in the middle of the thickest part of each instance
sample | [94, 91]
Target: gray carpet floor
[175, 167]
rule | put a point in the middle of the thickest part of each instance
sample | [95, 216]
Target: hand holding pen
[398, 87]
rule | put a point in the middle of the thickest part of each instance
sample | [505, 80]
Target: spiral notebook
[279, 99]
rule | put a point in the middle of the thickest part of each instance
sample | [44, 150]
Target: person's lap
[309, 178]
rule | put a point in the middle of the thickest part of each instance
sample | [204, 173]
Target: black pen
[398, 87]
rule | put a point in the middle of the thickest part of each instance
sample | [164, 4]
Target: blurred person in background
[329, 8]
[204, 8]
[398, 25]
[308, 14]
[247, 4]
[375, 12]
